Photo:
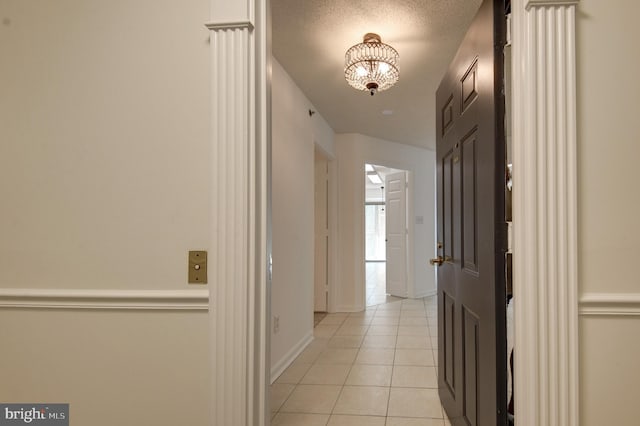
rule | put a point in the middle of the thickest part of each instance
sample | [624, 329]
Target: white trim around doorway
[545, 213]
[545, 281]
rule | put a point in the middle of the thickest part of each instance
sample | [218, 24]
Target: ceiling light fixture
[371, 65]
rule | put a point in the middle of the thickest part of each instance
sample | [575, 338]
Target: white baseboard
[278, 368]
[610, 304]
[34, 298]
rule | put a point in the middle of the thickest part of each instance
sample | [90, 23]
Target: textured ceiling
[310, 38]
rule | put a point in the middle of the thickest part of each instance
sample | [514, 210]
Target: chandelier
[371, 65]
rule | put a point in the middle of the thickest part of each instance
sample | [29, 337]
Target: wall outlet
[276, 324]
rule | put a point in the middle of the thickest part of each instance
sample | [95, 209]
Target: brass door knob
[437, 261]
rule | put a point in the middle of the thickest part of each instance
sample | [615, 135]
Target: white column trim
[229, 25]
[239, 159]
[550, 3]
[545, 213]
[116, 299]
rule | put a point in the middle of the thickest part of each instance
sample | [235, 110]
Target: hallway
[373, 368]
[376, 292]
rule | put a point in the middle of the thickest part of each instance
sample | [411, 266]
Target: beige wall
[608, 60]
[113, 368]
[104, 170]
[105, 133]
[294, 135]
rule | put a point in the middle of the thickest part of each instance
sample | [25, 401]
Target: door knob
[437, 261]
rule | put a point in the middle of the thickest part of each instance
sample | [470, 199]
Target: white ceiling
[310, 38]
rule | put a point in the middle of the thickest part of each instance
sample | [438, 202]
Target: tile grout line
[365, 327]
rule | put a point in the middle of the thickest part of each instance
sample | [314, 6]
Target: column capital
[215, 26]
[549, 3]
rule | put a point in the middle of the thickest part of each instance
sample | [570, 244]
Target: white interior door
[321, 261]
[396, 228]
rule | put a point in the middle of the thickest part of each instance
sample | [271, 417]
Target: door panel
[448, 348]
[396, 230]
[470, 345]
[469, 207]
[470, 153]
[447, 205]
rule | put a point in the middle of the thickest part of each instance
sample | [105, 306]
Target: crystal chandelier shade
[371, 65]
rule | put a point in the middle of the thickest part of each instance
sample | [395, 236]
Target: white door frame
[545, 223]
[332, 199]
[361, 289]
[332, 216]
[321, 232]
[333, 233]
[240, 241]
[545, 212]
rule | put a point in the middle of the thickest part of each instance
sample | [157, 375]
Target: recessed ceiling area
[310, 38]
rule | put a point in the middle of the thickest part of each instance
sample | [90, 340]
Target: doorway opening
[322, 237]
[386, 248]
[375, 252]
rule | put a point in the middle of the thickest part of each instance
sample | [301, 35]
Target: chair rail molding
[545, 212]
[238, 278]
[610, 304]
[114, 299]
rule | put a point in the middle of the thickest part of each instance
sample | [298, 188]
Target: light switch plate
[197, 267]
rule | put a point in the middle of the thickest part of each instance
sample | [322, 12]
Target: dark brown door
[470, 153]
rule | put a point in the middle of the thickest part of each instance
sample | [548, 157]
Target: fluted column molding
[545, 213]
[238, 271]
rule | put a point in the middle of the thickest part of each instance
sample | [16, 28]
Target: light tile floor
[373, 368]
[376, 293]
